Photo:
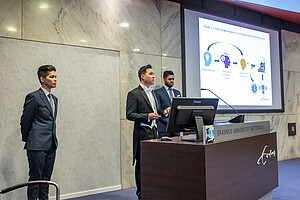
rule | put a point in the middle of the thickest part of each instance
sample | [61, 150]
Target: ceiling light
[44, 6]
[11, 29]
[124, 24]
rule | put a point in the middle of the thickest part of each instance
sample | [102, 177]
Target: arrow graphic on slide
[225, 43]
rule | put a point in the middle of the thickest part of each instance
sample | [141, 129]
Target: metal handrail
[14, 187]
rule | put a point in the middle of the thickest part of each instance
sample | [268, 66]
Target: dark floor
[289, 185]
[289, 180]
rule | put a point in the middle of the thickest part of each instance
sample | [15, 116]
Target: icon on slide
[207, 58]
[263, 88]
[262, 66]
[226, 60]
[243, 63]
[254, 88]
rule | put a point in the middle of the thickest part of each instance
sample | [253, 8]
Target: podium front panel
[245, 169]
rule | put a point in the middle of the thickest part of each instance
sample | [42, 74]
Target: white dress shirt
[150, 96]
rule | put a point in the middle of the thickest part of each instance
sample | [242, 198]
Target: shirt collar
[45, 91]
[145, 88]
[167, 88]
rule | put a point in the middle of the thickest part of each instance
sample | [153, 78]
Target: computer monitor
[190, 114]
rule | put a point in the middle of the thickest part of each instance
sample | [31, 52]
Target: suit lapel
[166, 93]
[46, 102]
[144, 95]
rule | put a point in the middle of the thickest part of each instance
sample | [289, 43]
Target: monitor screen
[184, 110]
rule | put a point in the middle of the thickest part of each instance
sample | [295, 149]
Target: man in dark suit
[164, 97]
[38, 128]
[142, 108]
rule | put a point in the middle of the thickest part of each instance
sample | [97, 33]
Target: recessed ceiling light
[83, 41]
[11, 29]
[164, 54]
[136, 50]
[124, 24]
[44, 6]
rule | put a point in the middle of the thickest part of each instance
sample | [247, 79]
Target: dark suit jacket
[38, 124]
[163, 103]
[138, 108]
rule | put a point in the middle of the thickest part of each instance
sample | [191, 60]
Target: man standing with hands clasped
[142, 108]
[38, 128]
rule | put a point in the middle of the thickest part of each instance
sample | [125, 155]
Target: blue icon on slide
[262, 66]
[254, 88]
[263, 88]
[225, 59]
[207, 58]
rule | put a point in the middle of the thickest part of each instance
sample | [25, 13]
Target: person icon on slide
[207, 58]
[225, 59]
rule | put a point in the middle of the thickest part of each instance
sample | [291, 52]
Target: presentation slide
[235, 63]
[238, 61]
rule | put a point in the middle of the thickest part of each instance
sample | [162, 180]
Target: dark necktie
[51, 102]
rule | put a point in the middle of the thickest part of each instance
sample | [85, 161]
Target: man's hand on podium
[167, 111]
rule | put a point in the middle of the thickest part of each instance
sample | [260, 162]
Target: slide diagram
[224, 57]
[235, 63]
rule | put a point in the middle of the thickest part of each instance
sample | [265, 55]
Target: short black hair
[44, 70]
[167, 73]
[143, 70]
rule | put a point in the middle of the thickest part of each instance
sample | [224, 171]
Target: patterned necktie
[51, 102]
[171, 94]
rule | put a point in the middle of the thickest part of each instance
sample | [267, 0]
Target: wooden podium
[244, 169]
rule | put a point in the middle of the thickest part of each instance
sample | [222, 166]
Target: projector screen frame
[255, 109]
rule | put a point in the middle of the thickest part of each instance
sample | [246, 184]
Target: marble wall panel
[290, 51]
[292, 92]
[170, 29]
[10, 18]
[88, 156]
[127, 170]
[287, 146]
[96, 23]
[173, 64]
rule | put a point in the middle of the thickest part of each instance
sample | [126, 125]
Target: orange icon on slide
[243, 63]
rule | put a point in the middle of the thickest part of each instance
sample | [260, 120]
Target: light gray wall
[154, 28]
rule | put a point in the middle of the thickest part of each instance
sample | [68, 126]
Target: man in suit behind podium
[38, 128]
[164, 97]
[142, 108]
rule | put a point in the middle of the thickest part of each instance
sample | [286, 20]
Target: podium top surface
[178, 140]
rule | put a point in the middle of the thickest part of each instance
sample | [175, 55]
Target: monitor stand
[198, 137]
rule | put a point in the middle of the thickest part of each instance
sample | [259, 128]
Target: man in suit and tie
[164, 97]
[38, 128]
[142, 108]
